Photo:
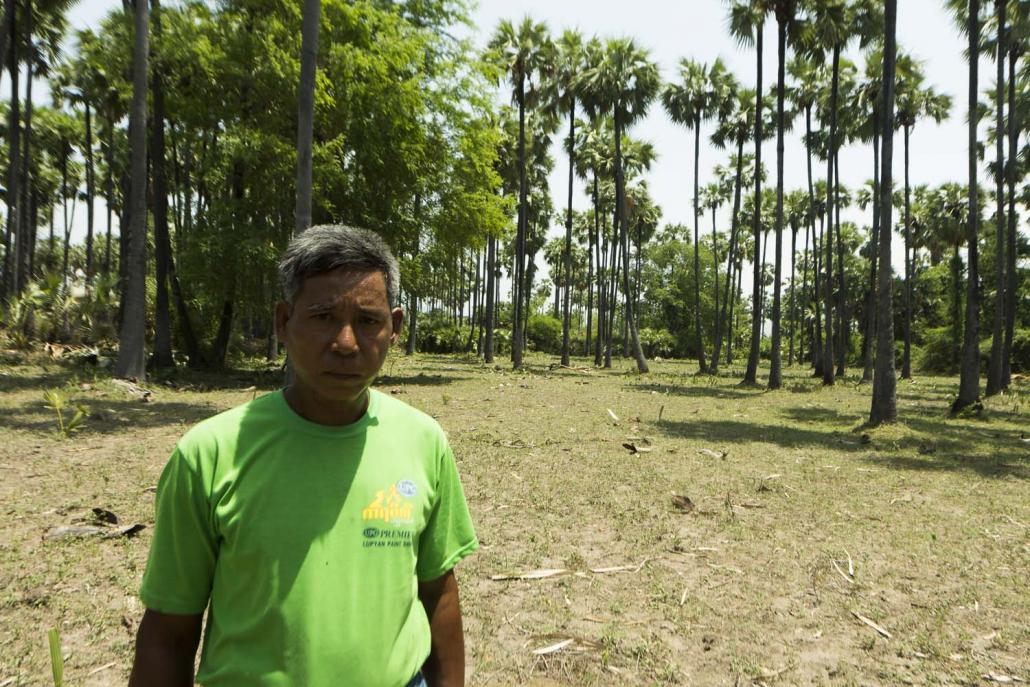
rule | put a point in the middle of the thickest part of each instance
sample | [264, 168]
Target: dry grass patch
[800, 543]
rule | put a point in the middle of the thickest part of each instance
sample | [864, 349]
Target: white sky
[697, 29]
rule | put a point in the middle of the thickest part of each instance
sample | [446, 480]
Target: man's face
[338, 332]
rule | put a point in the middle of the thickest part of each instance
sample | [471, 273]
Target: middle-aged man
[318, 525]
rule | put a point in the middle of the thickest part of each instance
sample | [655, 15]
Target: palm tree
[712, 197]
[1017, 48]
[994, 368]
[131, 354]
[969, 376]
[702, 92]
[804, 95]
[835, 23]
[796, 212]
[626, 81]
[736, 129]
[787, 22]
[562, 90]
[524, 54]
[884, 406]
[746, 23]
[913, 102]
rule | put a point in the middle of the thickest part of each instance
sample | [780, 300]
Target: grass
[752, 586]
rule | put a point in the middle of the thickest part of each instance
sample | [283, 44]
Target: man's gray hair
[330, 246]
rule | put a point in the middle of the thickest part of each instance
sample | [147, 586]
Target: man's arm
[166, 647]
[445, 666]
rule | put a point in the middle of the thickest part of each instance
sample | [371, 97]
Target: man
[318, 525]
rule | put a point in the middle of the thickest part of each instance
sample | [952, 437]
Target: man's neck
[322, 411]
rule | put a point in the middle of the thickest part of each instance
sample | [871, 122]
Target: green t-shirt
[309, 541]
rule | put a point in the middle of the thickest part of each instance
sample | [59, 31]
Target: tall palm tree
[701, 93]
[969, 376]
[1017, 49]
[627, 81]
[835, 24]
[131, 344]
[789, 22]
[306, 111]
[746, 23]
[884, 406]
[561, 93]
[736, 128]
[524, 55]
[995, 372]
[796, 212]
[804, 96]
[914, 101]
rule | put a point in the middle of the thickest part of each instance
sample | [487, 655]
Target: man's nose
[345, 341]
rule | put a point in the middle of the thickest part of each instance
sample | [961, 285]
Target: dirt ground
[798, 549]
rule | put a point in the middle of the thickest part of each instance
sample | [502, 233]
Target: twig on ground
[872, 624]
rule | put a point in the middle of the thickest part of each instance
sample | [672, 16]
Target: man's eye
[321, 316]
[369, 319]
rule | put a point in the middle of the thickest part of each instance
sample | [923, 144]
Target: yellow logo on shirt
[388, 506]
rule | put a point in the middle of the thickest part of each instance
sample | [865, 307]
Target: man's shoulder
[223, 427]
[394, 412]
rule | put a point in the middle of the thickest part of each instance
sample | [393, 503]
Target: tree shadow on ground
[730, 432]
[111, 416]
[420, 379]
[698, 390]
[819, 414]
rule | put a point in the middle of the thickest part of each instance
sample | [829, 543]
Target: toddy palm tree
[969, 375]
[131, 339]
[306, 111]
[994, 366]
[524, 55]
[746, 22]
[884, 406]
[561, 93]
[702, 93]
[914, 101]
[626, 82]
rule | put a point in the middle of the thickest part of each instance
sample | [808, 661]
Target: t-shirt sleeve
[449, 535]
[184, 549]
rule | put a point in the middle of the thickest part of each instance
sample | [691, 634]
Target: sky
[696, 29]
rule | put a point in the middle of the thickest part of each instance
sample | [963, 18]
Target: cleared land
[799, 544]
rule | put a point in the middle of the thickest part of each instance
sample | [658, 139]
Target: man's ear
[282, 316]
[397, 317]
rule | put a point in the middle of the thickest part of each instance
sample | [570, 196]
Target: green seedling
[56, 659]
[56, 400]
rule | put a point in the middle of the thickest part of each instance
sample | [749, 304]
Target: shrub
[1020, 355]
[544, 333]
[657, 343]
[939, 352]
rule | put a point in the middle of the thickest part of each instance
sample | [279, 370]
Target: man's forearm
[445, 666]
[166, 647]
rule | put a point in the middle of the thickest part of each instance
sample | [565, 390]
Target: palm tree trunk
[804, 291]
[520, 239]
[491, 268]
[109, 194]
[828, 240]
[9, 285]
[775, 373]
[1010, 253]
[620, 199]
[566, 313]
[906, 359]
[592, 238]
[884, 406]
[131, 354]
[870, 317]
[162, 353]
[720, 316]
[816, 345]
[793, 290]
[306, 111]
[969, 379]
[715, 265]
[843, 314]
[699, 341]
[994, 367]
[751, 373]
[90, 191]
[26, 229]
